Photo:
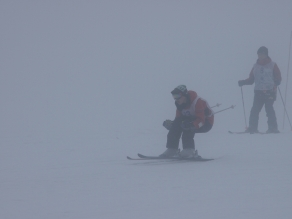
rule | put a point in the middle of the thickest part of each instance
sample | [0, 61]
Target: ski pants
[261, 99]
[176, 132]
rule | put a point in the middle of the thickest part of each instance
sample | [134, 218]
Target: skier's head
[263, 50]
[179, 94]
[262, 53]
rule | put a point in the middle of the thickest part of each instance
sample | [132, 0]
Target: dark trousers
[261, 99]
[176, 132]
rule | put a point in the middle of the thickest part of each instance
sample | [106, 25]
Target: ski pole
[243, 108]
[285, 108]
[231, 107]
[217, 105]
[285, 97]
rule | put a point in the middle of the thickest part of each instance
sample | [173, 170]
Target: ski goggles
[176, 96]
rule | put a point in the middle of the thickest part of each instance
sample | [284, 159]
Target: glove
[241, 83]
[187, 126]
[167, 124]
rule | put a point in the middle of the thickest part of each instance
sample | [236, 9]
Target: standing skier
[266, 76]
[193, 115]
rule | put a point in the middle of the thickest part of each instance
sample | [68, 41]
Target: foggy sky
[73, 69]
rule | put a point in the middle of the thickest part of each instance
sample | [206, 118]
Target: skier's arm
[248, 81]
[277, 75]
[199, 114]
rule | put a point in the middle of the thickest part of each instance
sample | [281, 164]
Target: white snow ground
[83, 84]
[249, 178]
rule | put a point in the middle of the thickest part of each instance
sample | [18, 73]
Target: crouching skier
[193, 115]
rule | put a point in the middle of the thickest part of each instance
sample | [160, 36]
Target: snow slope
[85, 84]
[249, 178]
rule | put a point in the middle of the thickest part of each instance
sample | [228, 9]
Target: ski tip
[140, 155]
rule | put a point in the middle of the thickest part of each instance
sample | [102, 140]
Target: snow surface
[83, 84]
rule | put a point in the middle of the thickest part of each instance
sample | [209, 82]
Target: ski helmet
[181, 89]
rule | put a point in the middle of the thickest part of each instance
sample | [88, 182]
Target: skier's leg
[188, 144]
[173, 138]
[188, 136]
[174, 135]
[257, 106]
[270, 112]
[188, 139]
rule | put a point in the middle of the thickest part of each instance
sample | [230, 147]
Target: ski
[172, 159]
[244, 132]
[150, 157]
[143, 157]
[130, 158]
